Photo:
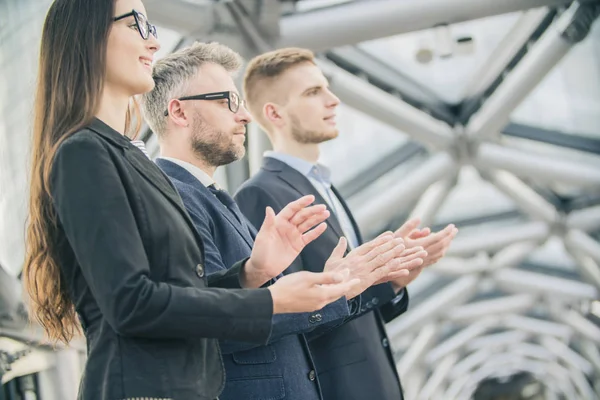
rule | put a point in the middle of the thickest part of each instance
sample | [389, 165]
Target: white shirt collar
[202, 176]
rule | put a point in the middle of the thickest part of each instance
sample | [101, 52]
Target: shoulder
[194, 199]
[82, 140]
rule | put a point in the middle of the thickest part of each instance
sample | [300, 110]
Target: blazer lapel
[156, 177]
[349, 214]
[302, 185]
[183, 175]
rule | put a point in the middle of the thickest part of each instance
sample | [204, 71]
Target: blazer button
[200, 271]
[384, 342]
[312, 319]
[318, 317]
[312, 375]
[375, 301]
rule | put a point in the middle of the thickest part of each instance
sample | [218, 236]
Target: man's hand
[435, 245]
[282, 237]
[373, 261]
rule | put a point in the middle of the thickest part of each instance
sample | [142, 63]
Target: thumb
[328, 278]
[269, 218]
[340, 249]
[408, 227]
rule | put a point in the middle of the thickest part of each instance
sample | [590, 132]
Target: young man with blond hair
[288, 95]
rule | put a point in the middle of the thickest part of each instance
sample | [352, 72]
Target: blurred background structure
[481, 113]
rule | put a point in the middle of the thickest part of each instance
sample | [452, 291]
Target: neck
[305, 151]
[113, 109]
[175, 150]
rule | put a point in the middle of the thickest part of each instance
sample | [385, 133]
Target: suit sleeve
[95, 214]
[283, 324]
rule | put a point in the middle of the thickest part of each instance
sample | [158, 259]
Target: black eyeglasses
[144, 27]
[233, 99]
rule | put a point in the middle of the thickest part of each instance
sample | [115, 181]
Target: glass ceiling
[447, 77]
[568, 99]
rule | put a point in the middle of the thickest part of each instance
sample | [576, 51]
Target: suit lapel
[159, 180]
[302, 185]
[183, 175]
[349, 214]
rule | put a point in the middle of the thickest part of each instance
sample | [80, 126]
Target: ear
[177, 113]
[272, 114]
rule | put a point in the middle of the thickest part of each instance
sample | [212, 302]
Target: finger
[403, 273]
[385, 251]
[335, 291]
[314, 233]
[313, 220]
[419, 233]
[411, 250]
[367, 247]
[327, 278]
[306, 213]
[340, 250]
[269, 220]
[292, 208]
[407, 227]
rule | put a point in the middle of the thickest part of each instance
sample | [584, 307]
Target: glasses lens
[142, 23]
[234, 101]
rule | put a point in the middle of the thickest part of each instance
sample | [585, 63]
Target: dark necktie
[228, 202]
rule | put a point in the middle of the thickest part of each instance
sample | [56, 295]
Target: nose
[152, 44]
[332, 100]
[243, 116]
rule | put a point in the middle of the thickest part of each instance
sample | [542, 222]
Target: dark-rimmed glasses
[144, 27]
[233, 99]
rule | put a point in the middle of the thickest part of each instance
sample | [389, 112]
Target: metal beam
[518, 281]
[455, 293]
[460, 339]
[523, 195]
[498, 238]
[557, 138]
[537, 167]
[579, 323]
[339, 26]
[543, 56]
[189, 19]
[583, 243]
[387, 108]
[383, 165]
[514, 304]
[587, 219]
[417, 348]
[389, 79]
[505, 52]
[378, 209]
[436, 379]
[567, 354]
[431, 201]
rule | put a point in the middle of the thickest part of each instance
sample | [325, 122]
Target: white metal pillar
[366, 20]
[363, 96]
[377, 210]
[535, 166]
[431, 201]
[542, 57]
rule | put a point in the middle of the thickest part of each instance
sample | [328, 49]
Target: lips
[146, 61]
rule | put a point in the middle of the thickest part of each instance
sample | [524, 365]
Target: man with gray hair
[199, 117]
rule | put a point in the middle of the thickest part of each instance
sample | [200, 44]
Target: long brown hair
[70, 81]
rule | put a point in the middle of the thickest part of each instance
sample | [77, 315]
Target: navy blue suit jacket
[283, 369]
[354, 361]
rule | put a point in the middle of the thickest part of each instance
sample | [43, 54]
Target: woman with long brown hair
[110, 246]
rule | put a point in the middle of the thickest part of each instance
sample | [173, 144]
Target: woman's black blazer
[133, 264]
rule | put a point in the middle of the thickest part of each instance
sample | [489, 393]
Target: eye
[133, 26]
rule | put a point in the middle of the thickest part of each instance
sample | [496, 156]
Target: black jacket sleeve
[95, 213]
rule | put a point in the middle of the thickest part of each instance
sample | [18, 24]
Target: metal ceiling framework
[484, 311]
